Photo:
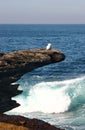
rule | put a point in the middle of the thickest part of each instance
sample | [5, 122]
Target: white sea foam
[49, 97]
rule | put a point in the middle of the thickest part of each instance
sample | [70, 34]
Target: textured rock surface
[15, 64]
[22, 123]
[12, 67]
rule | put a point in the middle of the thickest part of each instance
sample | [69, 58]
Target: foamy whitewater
[55, 99]
[53, 93]
[52, 97]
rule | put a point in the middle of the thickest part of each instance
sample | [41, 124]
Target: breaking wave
[52, 97]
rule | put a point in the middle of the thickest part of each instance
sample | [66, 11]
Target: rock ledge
[12, 66]
[15, 64]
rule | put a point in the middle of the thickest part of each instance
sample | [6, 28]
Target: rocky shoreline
[25, 123]
[14, 65]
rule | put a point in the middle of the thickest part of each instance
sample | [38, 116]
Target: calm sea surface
[54, 93]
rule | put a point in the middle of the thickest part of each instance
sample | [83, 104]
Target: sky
[42, 11]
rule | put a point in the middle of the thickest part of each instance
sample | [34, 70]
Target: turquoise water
[54, 93]
[61, 103]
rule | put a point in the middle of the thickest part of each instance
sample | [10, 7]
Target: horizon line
[42, 23]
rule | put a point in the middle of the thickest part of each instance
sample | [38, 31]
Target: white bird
[49, 46]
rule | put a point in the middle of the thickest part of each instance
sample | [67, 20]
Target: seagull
[49, 46]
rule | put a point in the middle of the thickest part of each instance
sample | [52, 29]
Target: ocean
[53, 93]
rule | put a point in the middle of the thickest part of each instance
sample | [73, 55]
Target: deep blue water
[54, 93]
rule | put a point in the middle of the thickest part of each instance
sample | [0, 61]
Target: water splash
[52, 97]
